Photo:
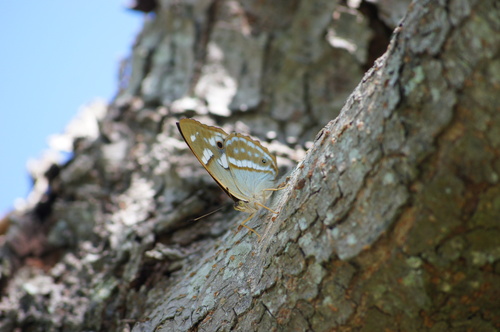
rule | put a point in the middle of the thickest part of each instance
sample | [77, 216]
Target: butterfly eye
[264, 161]
[219, 144]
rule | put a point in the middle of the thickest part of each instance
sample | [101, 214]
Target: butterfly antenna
[206, 215]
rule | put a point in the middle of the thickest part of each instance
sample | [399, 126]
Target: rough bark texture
[389, 222]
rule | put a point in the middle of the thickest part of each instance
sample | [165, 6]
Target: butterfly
[240, 165]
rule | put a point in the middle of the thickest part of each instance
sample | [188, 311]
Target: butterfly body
[240, 165]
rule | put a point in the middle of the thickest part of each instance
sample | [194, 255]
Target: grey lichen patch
[368, 220]
[274, 299]
[407, 295]
[235, 257]
[433, 33]
[75, 224]
[198, 280]
[303, 223]
[483, 246]
[335, 305]
[349, 31]
[296, 321]
[413, 278]
[233, 70]
[114, 153]
[309, 287]
[450, 250]
[441, 198]
[414, 262]
[487, 213]
[78, 170]
[417, 78]
[172, 62]
[39, 285]
[208, 300]
[377, 320]
[291, 262]
[394, 136]
[318, 246]
[137, 202]
[104, 289]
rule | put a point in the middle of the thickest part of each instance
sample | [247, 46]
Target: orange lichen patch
[360, 125]
[485, 287]
[427, 320]
[300, 184]
[333, 308]
[232, 258]
[404, 225]
[474, 308]
[325, 136]
[465, 299]
[454, 132]
[435, 280]
[207, 319]
[291, 284]
[458, 277]
[216, 293]
[283, 315]
[214, 266]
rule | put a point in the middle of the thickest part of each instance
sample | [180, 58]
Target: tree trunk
[389, 222]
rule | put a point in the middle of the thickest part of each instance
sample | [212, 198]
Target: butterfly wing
[208, 145]
[251, 164]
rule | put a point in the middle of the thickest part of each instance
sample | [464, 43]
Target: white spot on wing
[193, 137]
[223, 161]
[207, 155]
[212, 141]
[250, 164]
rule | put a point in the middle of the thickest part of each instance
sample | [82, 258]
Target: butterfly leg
[276, 189]
[265, 207]
[250, 229]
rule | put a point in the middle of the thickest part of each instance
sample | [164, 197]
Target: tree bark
[389, 221]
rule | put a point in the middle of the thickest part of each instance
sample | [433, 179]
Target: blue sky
[56, 56]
